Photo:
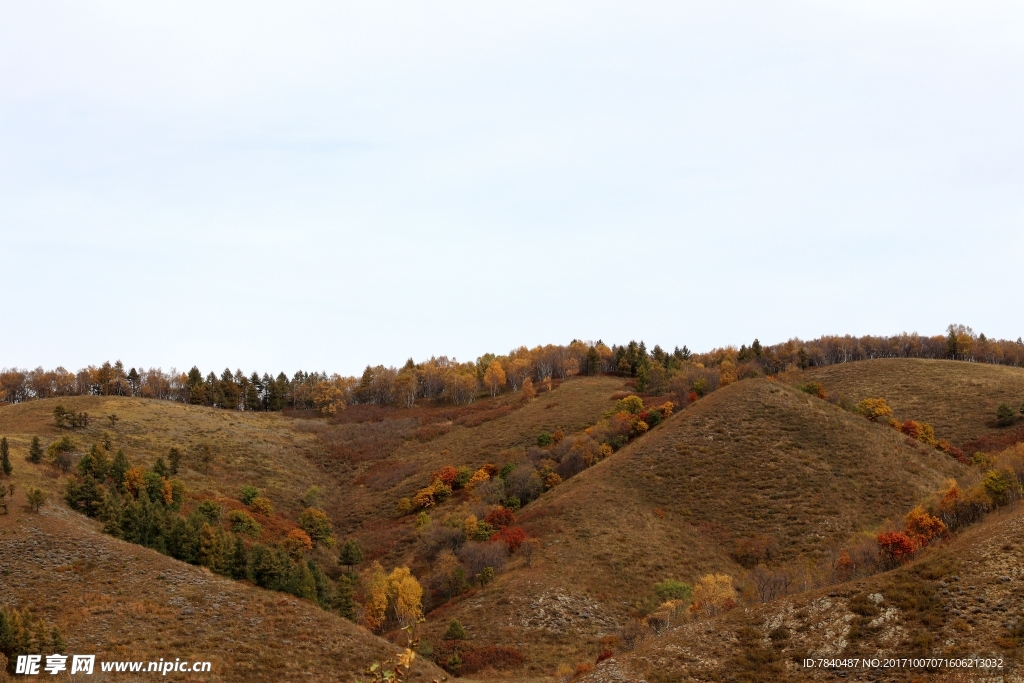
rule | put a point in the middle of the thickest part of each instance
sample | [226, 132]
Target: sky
[323, 185]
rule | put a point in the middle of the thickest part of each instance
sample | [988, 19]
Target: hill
[123, 602]
[959, 399]
[756, 467]
[961, 601]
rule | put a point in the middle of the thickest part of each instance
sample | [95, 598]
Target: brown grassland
[757, 460]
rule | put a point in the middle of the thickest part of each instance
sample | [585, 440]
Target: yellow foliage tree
[728, 372]
[527, 392]
[327, 398]
[494, 377]
[133, 480]
[375, 590]
[713, 594]
[405, 596]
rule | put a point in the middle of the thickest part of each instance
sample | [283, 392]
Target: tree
[36, 499]
[494, 377]
[1004, 415]
[874, 409]
[174, 458]
[328, 399]
[249, 493]
[5, 457]
[455, 631]
[527, 392]
[317, 524]
[35, 451]
[351, 554]
[243, 523]
[895, 547]
[343, 602]
[922, 527]
[713, 594]
[670, 589]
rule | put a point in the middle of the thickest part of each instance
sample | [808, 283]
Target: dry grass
[958, 399]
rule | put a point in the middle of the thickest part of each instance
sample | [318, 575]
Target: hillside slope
[965, 600]
[959, 399]
[124, 602]
[754, 459]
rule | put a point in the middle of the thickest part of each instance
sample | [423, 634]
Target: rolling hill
[757, 471]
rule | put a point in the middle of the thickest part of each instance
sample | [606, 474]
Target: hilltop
[958, 399]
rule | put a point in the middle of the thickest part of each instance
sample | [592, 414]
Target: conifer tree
[35, 451]
[351, 554]
[174, 458]
[119, 468]
[5, 457]
[343, 602]
[239, 565]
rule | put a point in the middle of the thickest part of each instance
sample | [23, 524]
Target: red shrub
[446, 474]
[605, 654]
[512, 537]
[500, 517]
[494, 657]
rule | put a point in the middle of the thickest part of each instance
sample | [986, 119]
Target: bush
[210, 512]
[1004, 415]
[874, 409]
[462, 477]
[455, 631]
[242, 523]
[544, 439]
[670, 589]
[500, 517]
[630, 404]
[249, 494]
[262, 505]
[814, 389]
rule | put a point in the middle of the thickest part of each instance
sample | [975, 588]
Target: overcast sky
[275, 186]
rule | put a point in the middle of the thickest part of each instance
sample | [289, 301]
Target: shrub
[814, 389]
[249, 494]
[544, 439]
[670, 589]
[35, 451]
[1004, 415]
[630, 404]
[455, 631]
[243, 523]
[262, 505]
[446, 474]
[874, 409]
[512, 537]
[463, 475]
[500, 517]
[312, 497]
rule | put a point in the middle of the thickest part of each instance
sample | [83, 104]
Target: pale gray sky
[278, 186]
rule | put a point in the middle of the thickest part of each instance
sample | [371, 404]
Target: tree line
[447, 379]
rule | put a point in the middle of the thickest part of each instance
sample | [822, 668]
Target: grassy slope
[755, 457]
[958, 399]
[121, 601]
[955, 601]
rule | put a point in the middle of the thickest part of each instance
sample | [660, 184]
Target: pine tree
[119, 467]
[174, 457]
[35, 451]
[5, 457]
[239, 564]
[160, 467]
[351, 554]
[343, 602]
